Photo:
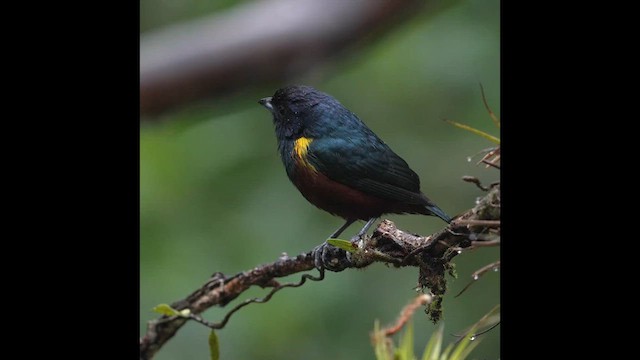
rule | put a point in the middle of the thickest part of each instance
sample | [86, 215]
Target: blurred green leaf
[475, 131]
[445, 353]
[454, 351]
[490, 319]
[405, 351]
[380, 343]
[214, 347]
[432, 351]
[165, 309]
[465, 346]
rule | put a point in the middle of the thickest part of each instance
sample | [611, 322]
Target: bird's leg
[324, 253]
[341, 229]
[364, 229]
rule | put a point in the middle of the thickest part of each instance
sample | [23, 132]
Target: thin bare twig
[475, 180]
[492, 223]
[478, 273]
[478, 183]
[277, 288]
[486, 243]
[485, 331]
[491, 316]
[493, 116]
[407, 312]
[489, 163]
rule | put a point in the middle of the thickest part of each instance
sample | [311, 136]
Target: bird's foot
[358, 241]
[332, 258]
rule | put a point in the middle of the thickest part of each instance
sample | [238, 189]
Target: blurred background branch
[255, 43]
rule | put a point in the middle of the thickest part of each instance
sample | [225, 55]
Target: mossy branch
[431, 255]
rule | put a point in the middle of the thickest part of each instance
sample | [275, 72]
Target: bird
[340, 165]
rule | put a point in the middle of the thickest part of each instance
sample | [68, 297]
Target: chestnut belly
[341, 200]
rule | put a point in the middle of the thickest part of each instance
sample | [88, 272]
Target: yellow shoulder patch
[301, 147]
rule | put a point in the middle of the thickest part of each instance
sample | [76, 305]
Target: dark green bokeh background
[215, 197]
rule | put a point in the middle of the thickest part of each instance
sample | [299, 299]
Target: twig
[491, 223]
[484, 331]
[407, 312]
[478, 273]
[220, 290]
[475, 180]
[277, 288]
[491, 164]
[492, 315]
[485, 243]
[493, 116]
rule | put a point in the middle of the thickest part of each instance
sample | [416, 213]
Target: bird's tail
[436, 211]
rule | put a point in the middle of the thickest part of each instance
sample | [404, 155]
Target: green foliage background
[214, 195]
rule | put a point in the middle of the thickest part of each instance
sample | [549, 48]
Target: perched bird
[339, 164]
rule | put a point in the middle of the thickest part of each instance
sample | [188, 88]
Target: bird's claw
[357, 241]
[329, 257]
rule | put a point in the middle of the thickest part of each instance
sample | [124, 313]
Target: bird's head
[304, 111]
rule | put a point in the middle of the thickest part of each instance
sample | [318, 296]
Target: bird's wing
[368, 165]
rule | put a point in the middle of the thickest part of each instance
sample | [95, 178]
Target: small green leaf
[475, 131]
[405, 352]
[165, 309]
[343, 244]
[214, 347]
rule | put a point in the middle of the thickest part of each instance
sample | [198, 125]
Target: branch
[255, 44]
[388, 244]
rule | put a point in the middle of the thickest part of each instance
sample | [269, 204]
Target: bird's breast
[327, 194]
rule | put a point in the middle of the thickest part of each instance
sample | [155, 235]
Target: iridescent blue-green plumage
[338, 163]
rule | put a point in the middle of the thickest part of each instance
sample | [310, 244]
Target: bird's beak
[266, 102]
